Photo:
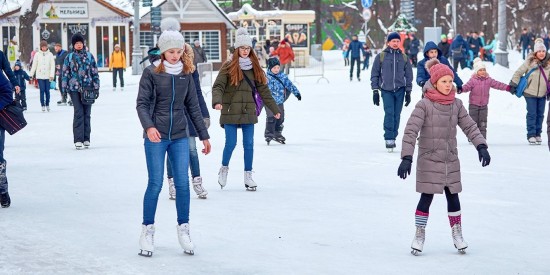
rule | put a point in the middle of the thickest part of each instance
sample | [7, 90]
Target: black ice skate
[280, 139]
[5, 200]
[268, 140]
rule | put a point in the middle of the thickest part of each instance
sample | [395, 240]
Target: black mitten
[407, 98]
[483, 154]
[405, 167]
[376, 98]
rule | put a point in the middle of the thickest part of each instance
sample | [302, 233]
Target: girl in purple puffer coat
[479, 84]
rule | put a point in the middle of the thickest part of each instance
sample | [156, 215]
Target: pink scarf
[435, 96]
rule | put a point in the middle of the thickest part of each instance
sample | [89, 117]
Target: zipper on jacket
[172, 109]
[394, 66]
[447, 144]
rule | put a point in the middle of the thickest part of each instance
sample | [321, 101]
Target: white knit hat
[171, 37]
[242, 38]
[539, 45]
[478, 64]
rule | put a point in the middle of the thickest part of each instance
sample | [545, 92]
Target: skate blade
[532, 143]
[252, 189]
[203, 197]
[415, 252]
[172, 198]
[461, 250]
[145, 253]
[539, 143]
[390, 150]
[189, 252]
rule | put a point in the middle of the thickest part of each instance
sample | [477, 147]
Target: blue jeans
[193, 160]
[44, 85]
[4, 179]
[178, 153]
[535, 115]
[231, 142]
[393, 104]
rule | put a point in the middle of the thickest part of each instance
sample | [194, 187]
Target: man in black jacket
[60, 55]
[444, 47]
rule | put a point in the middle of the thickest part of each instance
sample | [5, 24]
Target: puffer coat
[238, 105]
[437, 165]
[536, 86]
[479, 87]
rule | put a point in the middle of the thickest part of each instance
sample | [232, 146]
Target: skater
[537, 89]
[6, 68]
[199, 53]
[286, 56]
[432, 51]
[60, 55]
[392, 74]
[367, 53]
[232, 94]
[6, 97]
[345, 51]
[435, 118]
[44, 66]
[355, 49]
[117, 64]
[194, 164]
[444, 46]
[166, 96]
[459, 52]
[21, 76]
[80, 72]
[280, 86]
[479, 85]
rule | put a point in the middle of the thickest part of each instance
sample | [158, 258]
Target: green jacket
[237, 101]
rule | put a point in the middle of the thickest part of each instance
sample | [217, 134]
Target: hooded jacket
[460, 42]
[422, 74]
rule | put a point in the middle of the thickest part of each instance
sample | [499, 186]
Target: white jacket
[43, 64]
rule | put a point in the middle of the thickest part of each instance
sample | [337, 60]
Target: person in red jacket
[286, 56]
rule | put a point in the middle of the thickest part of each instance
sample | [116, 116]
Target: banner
[296, 34]
[64, 10]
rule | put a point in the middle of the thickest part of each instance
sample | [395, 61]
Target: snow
[248, 9]
[328, 202]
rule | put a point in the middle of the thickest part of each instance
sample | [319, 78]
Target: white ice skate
[390, 144]
[78, 145]
[222, 176]
[86, 144]
[185, 239]
[249, 182]
[458, 240]
[418, 241]
[197, 186]
[532, 140]
[146, 241]
[538, 140]
[171, 189]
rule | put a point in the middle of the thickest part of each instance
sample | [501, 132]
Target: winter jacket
[536, 86]
[548, 125]
[479, 88]
[422, 74]
[525, 40]
[238, 106]
[394, 73]
[202, 105]
[445, 49]
[162, 102]
[20, 77]
[414, 46]
[59, 60]
[437, 164]
[79, 70]
[43, 65]
[5, 66]
[457, 43]
[117, 61]
[6, 91]
[200, 55]
[278, 89]
[367, 53]
[355, 48]
[286, 54]
[475, 44]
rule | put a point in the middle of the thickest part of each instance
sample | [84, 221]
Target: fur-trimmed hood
[533, 61]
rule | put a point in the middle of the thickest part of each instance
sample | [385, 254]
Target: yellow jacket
[118, 60]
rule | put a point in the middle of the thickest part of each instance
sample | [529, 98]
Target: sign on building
[296, 34]
[64, 10]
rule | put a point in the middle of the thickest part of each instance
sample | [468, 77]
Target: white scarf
[174, 69]
[245, 63]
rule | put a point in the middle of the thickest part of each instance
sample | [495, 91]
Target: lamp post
[435, 17]
[136, 52]
[501, 53]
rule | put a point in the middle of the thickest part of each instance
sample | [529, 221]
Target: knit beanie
[478, 64]
[43, 43]
[437, 70]
[171, 37]
[539, 45]
[393, 36]
[18, 63]
[77, 37]
[242, 38]
[443, 36]
[272, 62]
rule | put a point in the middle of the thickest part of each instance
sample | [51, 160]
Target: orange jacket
[118, 60]
[286, 54]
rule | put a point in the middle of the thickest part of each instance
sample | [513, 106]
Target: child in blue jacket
[21, 77]
[280, 86]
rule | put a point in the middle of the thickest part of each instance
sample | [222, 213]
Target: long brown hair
[236, 74]
[186, 58]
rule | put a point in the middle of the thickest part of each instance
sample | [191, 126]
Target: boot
[171, 189]
[249, 182]
[197, 186]
[458, 240]
[147, 240]
[185, 239]
[222, 176]
[418, 241]
[5, 200]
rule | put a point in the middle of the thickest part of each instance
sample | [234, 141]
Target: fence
[314, 65]
[205, 77]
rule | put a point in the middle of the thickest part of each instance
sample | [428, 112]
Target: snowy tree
[28, 15]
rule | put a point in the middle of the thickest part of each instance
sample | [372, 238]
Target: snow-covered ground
[328, 202]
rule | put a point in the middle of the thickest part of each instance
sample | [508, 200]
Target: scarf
[174, 69]
[434, 95]
[245, 63]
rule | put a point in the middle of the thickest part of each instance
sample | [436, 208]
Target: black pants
[120, 72]
[81, 119]
[453, 202]
[21, 98]
[353, 61]
[461, 61]
[274, 127]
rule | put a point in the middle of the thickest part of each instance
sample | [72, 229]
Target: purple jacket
[480, 86]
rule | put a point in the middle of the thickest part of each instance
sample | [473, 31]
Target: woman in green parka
[232, 94]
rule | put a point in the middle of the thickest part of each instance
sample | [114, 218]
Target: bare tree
[26, 20]
[318, 33]
[236, 5]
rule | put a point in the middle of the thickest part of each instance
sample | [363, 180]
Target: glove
[405, 167]
[407, 98]
[459, 90]
[483, 154]
[376, 97]
[299, 97]
[207, 122]
[513, 87]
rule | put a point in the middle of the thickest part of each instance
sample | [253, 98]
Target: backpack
[457, 52]
[522, 85]
[383, 54]
[88, 95]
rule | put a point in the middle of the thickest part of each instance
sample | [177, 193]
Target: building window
[8, 32]
[146, 39]
[210, 42]
[102, 46]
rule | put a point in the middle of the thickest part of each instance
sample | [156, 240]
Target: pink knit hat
[437, 70]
